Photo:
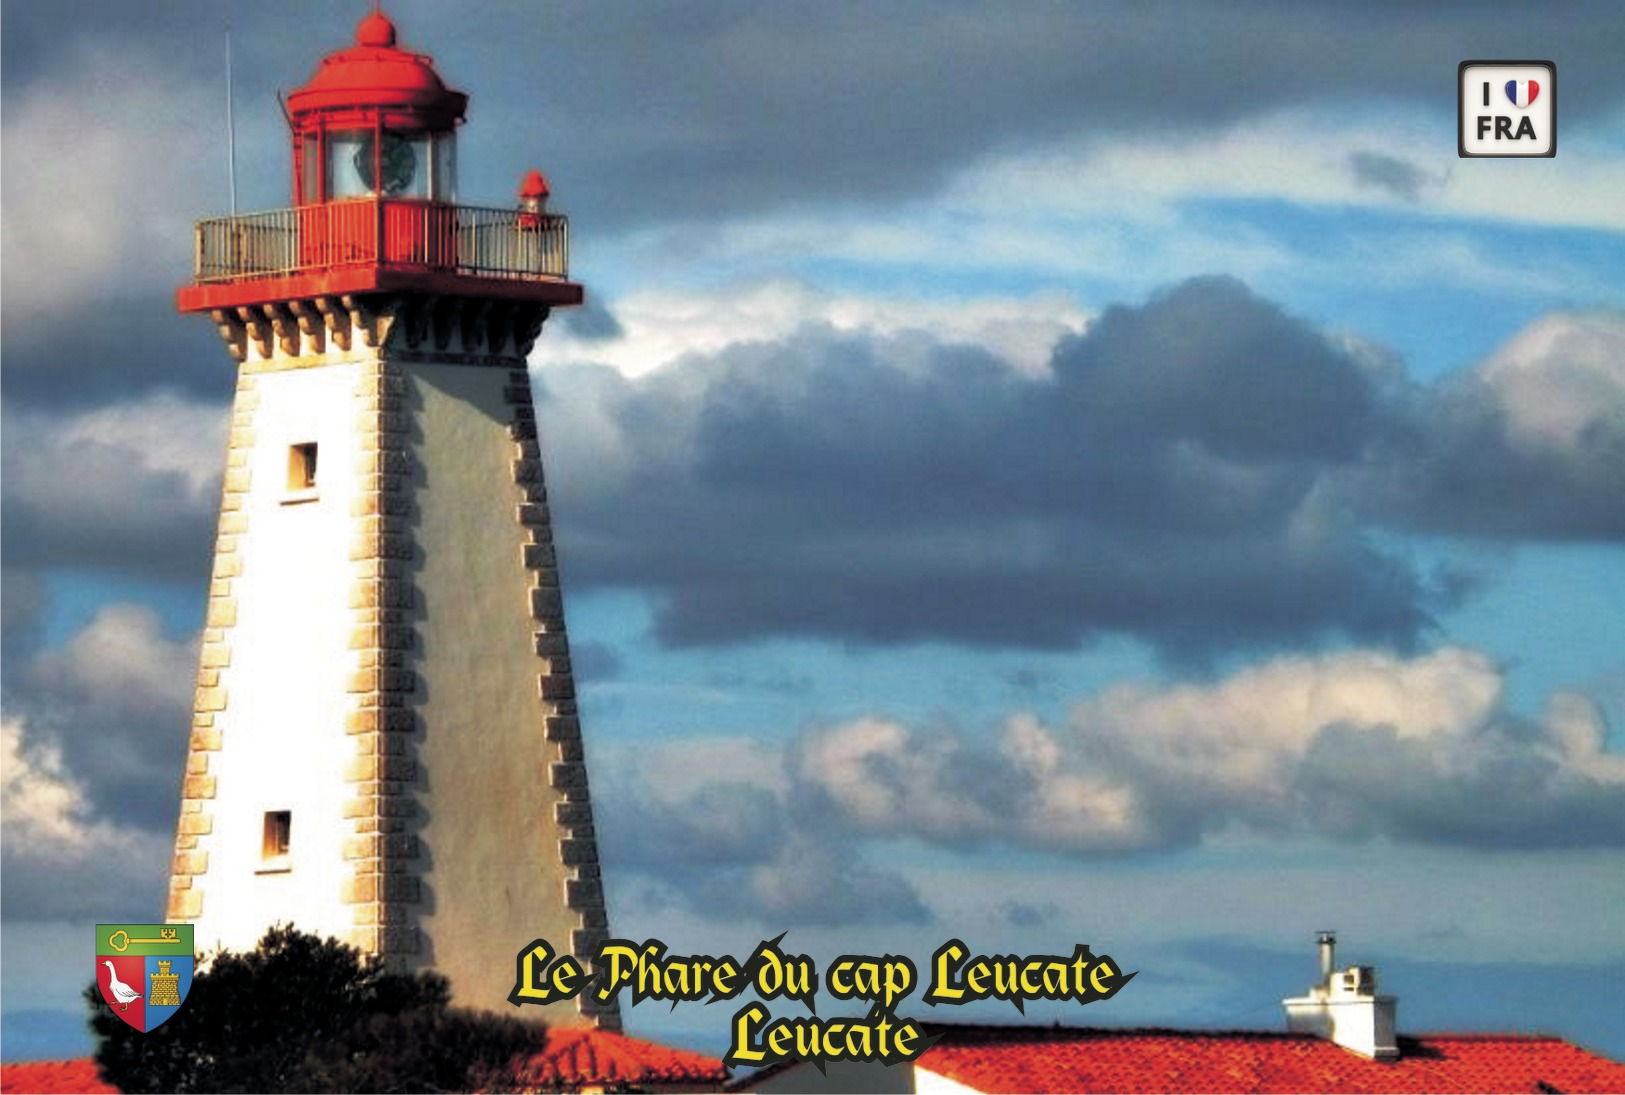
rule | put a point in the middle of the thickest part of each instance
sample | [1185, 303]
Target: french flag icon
[1522, 92]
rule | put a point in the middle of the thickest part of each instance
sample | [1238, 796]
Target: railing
[461, 239]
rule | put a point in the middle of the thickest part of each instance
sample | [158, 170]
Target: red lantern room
[375, 199]
[375, 119]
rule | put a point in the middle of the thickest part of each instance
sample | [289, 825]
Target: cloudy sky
[1038, 474]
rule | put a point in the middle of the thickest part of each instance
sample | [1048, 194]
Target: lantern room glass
[408, 165]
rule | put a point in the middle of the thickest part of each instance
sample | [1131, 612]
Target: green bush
[301, 1013]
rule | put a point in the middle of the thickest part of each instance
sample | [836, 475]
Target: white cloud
[660, 327]
[93, 458]
[1240, 733]
[121, 660]
[1531, 441]
[60, 856]
[1561, 376]
[47, 818]
[1346, 745]
[1303, 155]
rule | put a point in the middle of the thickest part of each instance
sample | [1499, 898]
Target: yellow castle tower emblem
[164, 988]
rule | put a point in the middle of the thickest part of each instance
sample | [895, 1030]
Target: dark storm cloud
[124, 875]
[1401, 178]
[1166, 481]
[85, 491]
[590, 323]
[1203, 472]
[593, 662]
[121, 347]
[22, 611]
[123, 878]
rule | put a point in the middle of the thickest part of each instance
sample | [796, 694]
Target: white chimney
[1344, 1007]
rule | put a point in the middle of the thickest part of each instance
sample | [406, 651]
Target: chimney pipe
[1328, 954]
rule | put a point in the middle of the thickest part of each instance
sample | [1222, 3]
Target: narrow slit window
[278, 836]
[302, 467]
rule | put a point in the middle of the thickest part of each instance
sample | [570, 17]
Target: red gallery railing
[409, 235]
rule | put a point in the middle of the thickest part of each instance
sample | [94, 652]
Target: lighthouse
[385, 745]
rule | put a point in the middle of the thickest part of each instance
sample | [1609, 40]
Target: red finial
[375, 30]
[534, 186]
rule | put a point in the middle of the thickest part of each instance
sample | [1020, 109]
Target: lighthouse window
[409, 165]
[344, 172]
[278, 838]
[310, 183]
[302, 468]
[444, 185]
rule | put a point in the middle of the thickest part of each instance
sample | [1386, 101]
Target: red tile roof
[1037, 1059]
[573, 1059]
[49, 1077]
[586, 1057]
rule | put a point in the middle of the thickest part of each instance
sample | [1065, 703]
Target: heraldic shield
[144, 970]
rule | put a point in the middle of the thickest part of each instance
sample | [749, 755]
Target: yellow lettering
[741, 1052]
[942, 986]
[722, 981]
[976, 977]
[839, 982]
[565, 978]
[770, 973]
[649, 971]
[903, 1041]
[532, 982]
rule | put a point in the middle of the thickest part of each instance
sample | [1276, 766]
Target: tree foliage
[300, 1013]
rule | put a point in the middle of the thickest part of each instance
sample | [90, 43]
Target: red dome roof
[376, 75]
[375, 30]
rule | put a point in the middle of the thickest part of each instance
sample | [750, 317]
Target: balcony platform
[357, 280]
[373, 246]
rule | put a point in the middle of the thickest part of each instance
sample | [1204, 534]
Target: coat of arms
[144, 970]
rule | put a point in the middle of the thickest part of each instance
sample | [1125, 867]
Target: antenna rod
[231, 128]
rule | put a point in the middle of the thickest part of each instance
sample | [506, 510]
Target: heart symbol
[1522, 92]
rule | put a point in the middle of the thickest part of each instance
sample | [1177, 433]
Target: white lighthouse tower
[385, 745]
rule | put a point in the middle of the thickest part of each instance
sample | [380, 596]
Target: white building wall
[283, 745]
[494, 881]
[384, 657]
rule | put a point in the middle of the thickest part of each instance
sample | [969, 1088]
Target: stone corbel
[337, 319]
[527, 326]
[499, 326]
[474, 315]
[233, 331]
[373, 322]
[416, 314]
[258, 329]
[446, 310]
[285, 327]
[310, 325]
